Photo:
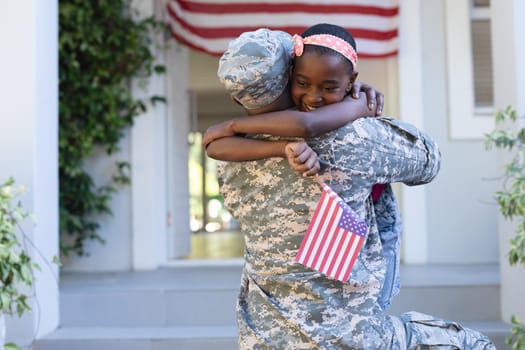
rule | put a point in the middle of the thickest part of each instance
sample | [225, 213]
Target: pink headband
[327, 40]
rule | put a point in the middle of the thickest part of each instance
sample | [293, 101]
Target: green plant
[100, 49]
[517, 336]
[511, 198]
[16, 265]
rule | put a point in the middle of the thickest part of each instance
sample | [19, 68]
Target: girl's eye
[301, 83]
[331, 88]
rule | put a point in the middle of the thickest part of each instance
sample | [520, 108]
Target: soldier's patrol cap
[254, 68]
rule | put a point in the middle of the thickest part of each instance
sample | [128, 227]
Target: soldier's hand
[302, 158]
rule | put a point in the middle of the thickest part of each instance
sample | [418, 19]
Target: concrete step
[205, 295]
[194, 295]
[141, 338]
[454, 292]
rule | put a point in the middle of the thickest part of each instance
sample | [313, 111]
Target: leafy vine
[101, 48]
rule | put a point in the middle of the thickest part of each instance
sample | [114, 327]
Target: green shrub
[511, 198]
[16, 266]
[100, 49]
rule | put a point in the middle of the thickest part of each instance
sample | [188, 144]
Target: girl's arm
[237, 148]
[299, 155]
[294, 122]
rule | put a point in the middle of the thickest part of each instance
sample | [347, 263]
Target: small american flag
[334, 237]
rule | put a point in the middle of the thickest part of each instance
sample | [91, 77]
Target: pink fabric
[377, 189]
[327, 40]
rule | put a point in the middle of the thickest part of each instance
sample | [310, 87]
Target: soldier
[270, 79]
[284, 305]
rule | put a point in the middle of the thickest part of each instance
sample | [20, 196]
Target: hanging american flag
[334, 237]
[209, 25]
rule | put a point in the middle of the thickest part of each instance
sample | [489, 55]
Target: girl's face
[319, 80]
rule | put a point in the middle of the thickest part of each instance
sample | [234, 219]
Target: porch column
[508, 47]
[29, 144]
[413, 203]
[148, 167]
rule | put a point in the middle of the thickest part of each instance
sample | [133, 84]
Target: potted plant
[16, 266]
[511, 199]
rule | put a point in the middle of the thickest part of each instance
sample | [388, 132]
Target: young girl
[322, 76]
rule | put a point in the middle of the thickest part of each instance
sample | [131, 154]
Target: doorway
[214, 232]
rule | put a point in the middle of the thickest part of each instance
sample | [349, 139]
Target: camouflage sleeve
[385, 150]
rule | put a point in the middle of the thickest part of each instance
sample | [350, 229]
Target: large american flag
[334, 237]
[208, 25]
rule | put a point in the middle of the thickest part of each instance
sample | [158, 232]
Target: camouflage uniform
[254, 70]
[284, 305]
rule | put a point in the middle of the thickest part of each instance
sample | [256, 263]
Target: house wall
[115, 253]
[29, 148]
[135, 233]
[462, 215]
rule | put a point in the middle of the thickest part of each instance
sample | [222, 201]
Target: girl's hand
[375, 98]
[217, 131]
[302, 158]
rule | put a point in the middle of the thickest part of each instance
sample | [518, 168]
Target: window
[482, 54]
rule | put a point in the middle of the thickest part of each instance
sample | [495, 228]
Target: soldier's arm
[384, 150]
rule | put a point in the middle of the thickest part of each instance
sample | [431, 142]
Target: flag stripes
[209, 26]
[286, 7]
[334, 237]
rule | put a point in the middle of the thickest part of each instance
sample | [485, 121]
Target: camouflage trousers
[411, 330]
[269, 320]
[427, 332]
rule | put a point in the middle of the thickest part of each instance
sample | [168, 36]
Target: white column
[178, 121]
[148, 170]
[29, 142]
[508, 47]
[411, 110]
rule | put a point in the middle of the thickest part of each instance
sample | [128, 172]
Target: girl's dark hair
[332, 29]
